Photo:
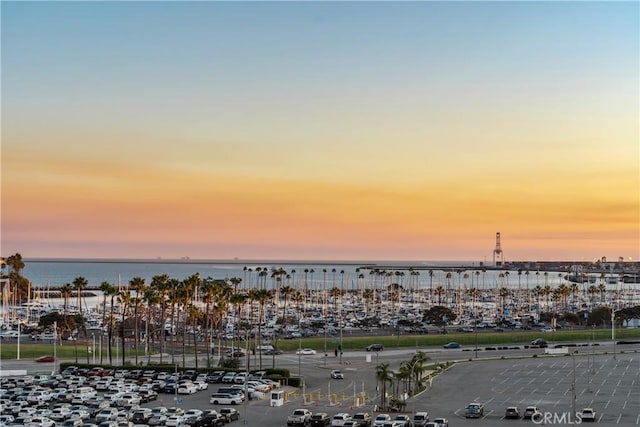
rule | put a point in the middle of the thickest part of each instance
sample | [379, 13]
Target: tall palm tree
[161, 285]
[238, 299]
[105, 288]
[194, 314]
[80, 284]
[384, 375]
[65, 292]
[124, 299]
[137, 285]
[286, 292]
[189, 286]
[261, 296]
[151, 299]
[439, 291]
[111, 292]
[208, 297]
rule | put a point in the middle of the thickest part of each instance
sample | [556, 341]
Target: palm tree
[440, 291]
[238, 299]
[286, 291]
[105, 288]
[138, 286]
[188, 288]
[151, 299]
[80, 284]
[161, 285]
[261, 296]
[208, 297]
[384, 375]
[194, 314]
[65, 292]
[112, 291]
[124, 299]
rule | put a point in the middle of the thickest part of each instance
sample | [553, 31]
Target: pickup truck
[300, 417]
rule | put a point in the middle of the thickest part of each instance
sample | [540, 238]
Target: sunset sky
[321, 130]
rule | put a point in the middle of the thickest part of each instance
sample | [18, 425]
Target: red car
[45, 359]
[97, 372]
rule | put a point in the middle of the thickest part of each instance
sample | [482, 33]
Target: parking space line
[618, 421]
[607, 405]
[638, 419]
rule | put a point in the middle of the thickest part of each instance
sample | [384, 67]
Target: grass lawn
[68, 350]
[437, 340]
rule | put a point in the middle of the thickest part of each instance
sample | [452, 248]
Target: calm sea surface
[316, 275]
[43, 273]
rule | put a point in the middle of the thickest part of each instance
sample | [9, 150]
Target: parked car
[212, 419]
[512, 412]
[363, 418]
[529, 412]
[588, 415]
[320, 419]
[441, 422]
[420, 419]
[339, 419]
[230, 414]
[403, 419]
[474, 410]
[226, 399]
[380, 419]
[187, 388]
[108, 414]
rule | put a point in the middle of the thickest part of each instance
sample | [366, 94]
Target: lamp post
[613, 331]
[573, 386]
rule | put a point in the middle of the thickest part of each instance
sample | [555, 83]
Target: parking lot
[610, 386]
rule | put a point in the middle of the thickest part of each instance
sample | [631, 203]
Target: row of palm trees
[175, 311]
[409, 376]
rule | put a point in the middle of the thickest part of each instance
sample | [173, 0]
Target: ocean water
[314, 274]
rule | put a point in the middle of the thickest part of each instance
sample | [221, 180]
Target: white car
[258, 386]
[174, 420]
[39, 422]
[83, 414]
[380, 419]
[60, 413]
[339, 419]
[201, 384]
[128, 399]
[441, 422]
[306, 351]
[187, 388]
[108, 414]
[588, 414]
[192, 414]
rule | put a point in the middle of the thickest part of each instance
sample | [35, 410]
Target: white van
[226, 399]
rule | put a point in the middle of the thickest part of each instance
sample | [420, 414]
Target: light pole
[613, 331]
[573, 386]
